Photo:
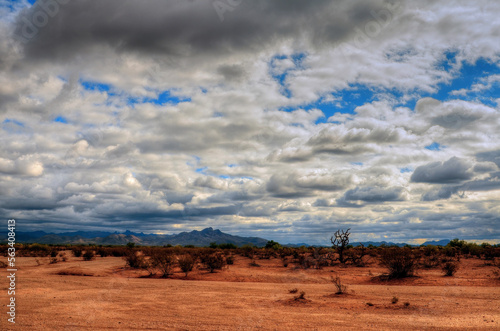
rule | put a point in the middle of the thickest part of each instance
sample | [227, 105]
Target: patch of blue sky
[96, 86]
[16, 122]
[449, 61]
[163, 98]
[435, 147]
[202, 170]
[405, 170]
[357, 163]
[469, 74]
[344, 101]
[281, 76]
[60, 119]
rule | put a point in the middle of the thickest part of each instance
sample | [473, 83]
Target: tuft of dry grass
[341, 288]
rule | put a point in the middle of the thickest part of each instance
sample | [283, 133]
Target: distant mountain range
[196, 238]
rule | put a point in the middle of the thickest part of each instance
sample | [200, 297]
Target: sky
[281, 119]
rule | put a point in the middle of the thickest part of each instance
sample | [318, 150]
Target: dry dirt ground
[103, 294]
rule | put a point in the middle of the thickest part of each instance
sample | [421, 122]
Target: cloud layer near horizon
[285, 119]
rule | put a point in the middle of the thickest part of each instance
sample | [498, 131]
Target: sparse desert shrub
[119, 251]
[88, 255]
[450, 268]
[341, 288]
[407, 304]
[3, 264]
[102, 252]
[164, 261]
[394, 300]
[293, 290]
[63, 257]
[134, 260]
[53, 260]
[214, 261]
[355, 255]
[186, 263]
[53, 253]
[370, 304]
[401, 262]
[230, 259]
[77, 251]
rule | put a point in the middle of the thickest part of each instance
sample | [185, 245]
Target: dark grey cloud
[444, 192]
[451, 171]
[492, 156]
[295, 185]
[375, 194]
[186, 28]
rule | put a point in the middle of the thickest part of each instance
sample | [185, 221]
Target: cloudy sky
[282, 119]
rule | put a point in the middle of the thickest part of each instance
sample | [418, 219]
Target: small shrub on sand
[88, 255]
[164, 261]
[450, 268]
[341, 288]
[230, 259]
[186, 263]
[134, 260]
[214, 261]
[293, 291]
[394, 300]
[401, 262]
[77, 251]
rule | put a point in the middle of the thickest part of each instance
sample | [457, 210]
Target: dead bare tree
[340, 243]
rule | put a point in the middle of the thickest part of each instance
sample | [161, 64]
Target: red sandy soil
[103, 294]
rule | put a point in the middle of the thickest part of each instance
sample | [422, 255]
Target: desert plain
[105, 294]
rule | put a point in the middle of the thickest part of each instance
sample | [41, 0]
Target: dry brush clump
[164, 261]
[186, 263]
[134, 259]
[213, 260]
[400, 261]
[89, 255]
[339, 285]
[450, 268]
